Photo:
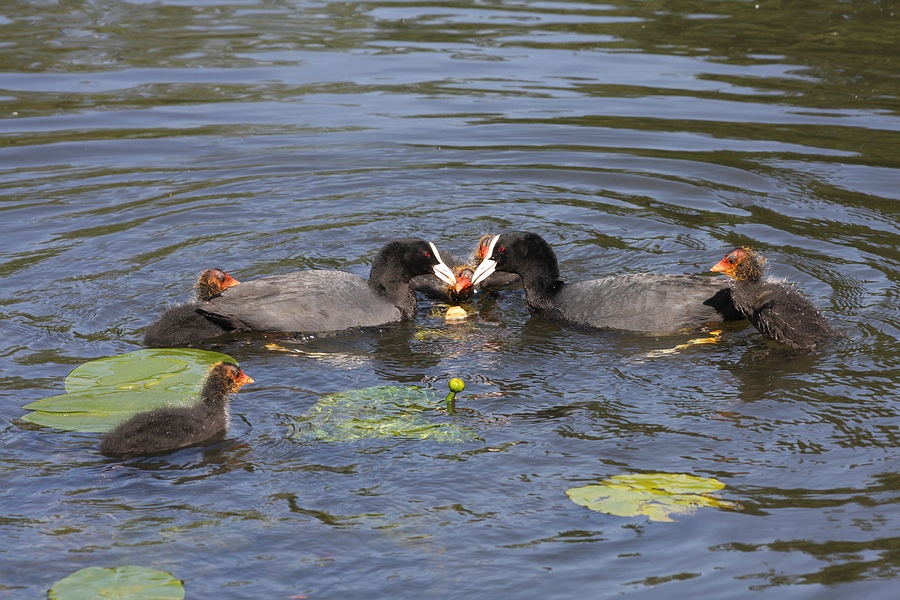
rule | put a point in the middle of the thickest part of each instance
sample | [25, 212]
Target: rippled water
[143, 141]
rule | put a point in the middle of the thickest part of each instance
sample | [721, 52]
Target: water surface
[141, 142]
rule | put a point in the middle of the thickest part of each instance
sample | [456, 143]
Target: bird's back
[302, 302]
[782, 313]
[180, 325]
[643, 302]
[162, 430]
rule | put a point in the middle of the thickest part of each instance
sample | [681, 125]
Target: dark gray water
[143, 141]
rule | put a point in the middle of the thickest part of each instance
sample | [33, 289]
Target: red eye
[501, 249]
[427, 254]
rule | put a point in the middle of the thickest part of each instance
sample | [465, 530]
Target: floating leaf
[134, 583]
[655, 495]
[377, 412]
[103, 393]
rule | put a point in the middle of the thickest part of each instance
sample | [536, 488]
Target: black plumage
[183, 324]
[170, 428]
[776, 308]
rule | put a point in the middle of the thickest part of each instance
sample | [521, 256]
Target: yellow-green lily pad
[378, 412]
[133, 583]
[102, 393]
[654, 495]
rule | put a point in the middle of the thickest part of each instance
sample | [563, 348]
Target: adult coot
[320, 301]
[436, 289]
[170, 428]
[183, 324]
[776, 308]
[637, 302]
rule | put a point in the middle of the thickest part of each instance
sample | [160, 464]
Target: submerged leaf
[377, 412]
[714, 337]
[655, 495]
[103, 393]
[455, 313]
[137, 583]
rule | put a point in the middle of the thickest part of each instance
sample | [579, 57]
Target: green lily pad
[655, 495]
[134, 583]
[103, 393]
[378, 412]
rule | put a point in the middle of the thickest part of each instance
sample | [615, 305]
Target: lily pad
[655, 495]
[378, 412]
[134, 583]
[103, 393]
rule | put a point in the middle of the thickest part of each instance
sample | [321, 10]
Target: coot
[213, 282]
[170, 428]
[637, 302]
[183, 325]
[776, 308]
[323, 301]
[499, 280]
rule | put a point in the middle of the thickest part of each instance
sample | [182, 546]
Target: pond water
[141, 142]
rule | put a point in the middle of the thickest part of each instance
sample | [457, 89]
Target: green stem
[451, 403]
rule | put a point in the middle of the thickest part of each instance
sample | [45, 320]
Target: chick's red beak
[242, 379]
[723, 266]
[463, 280]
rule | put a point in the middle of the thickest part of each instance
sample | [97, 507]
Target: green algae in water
[378, 413]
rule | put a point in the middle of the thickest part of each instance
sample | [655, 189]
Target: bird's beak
[488, 265]
[463, 280]
[229, 281]
[720, 267]
[443, 272]
[243, 379]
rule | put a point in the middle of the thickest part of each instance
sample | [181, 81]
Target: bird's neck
[395, 289]
[214, 393]
[752, 276]
[541, 291]
[750, 269]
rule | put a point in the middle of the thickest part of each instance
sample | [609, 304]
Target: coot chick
[328, 301]
[170, 428]
[637, 302]
[183, 325]
[776, 308]
[213, 282]
[434, 288]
